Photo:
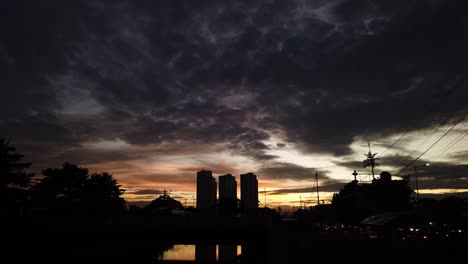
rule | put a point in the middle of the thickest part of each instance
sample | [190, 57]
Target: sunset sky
[153, 91]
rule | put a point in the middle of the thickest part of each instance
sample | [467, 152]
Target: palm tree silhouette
[371, 161]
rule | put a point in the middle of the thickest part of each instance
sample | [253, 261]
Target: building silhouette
[227, 187]
[249, 192]
[227, 203]
[227, 253]
[206, 190]
[205, 253]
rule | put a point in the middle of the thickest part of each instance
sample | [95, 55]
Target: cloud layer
[116, 82]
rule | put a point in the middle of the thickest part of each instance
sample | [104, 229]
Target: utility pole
[316, 183]
[416, 176]
[264, 190]
[416, 181]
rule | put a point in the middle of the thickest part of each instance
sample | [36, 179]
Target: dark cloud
[434, 184]
[440, 176]
[146, 191]
[461, 156]
[327, 187]
[439, 196]
[381, 83]
[282, 170]
[316, 74]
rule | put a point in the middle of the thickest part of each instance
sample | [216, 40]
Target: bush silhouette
[14, 180]
[70, 190]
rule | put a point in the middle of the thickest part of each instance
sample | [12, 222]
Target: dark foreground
[42, 243]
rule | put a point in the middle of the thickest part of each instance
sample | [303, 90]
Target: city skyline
[225, 196]
[226, 188]
[154, 91]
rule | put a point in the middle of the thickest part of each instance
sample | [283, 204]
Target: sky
[154, 91]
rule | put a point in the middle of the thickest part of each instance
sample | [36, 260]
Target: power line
[437, 141]
[450, 145]
[455, 85]
[446, 120]
[407, 158]
[389, 147]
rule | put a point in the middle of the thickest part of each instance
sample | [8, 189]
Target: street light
[415, 167]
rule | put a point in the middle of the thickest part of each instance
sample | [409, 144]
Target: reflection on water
[203, 253]
[179, 252]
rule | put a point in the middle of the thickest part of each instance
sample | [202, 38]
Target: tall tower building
[227, 187]
[206, 190]
[249, 191]
[227, 203]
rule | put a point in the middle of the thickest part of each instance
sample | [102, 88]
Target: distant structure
[205, 253]
[385, 176]
[164, 204]
[227, 253]
[355, 174]
[249, 191]
[370, 161]
[227, 203]
[227, 187]
[206, 190]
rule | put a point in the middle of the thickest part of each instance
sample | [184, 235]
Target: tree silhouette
[390, 195]
[453, 210]
[61, 190]
[102, 195]
[352, 203]
[370, 161]
[356, 201]
[14, 180]
[70, 190]
[164, 204]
